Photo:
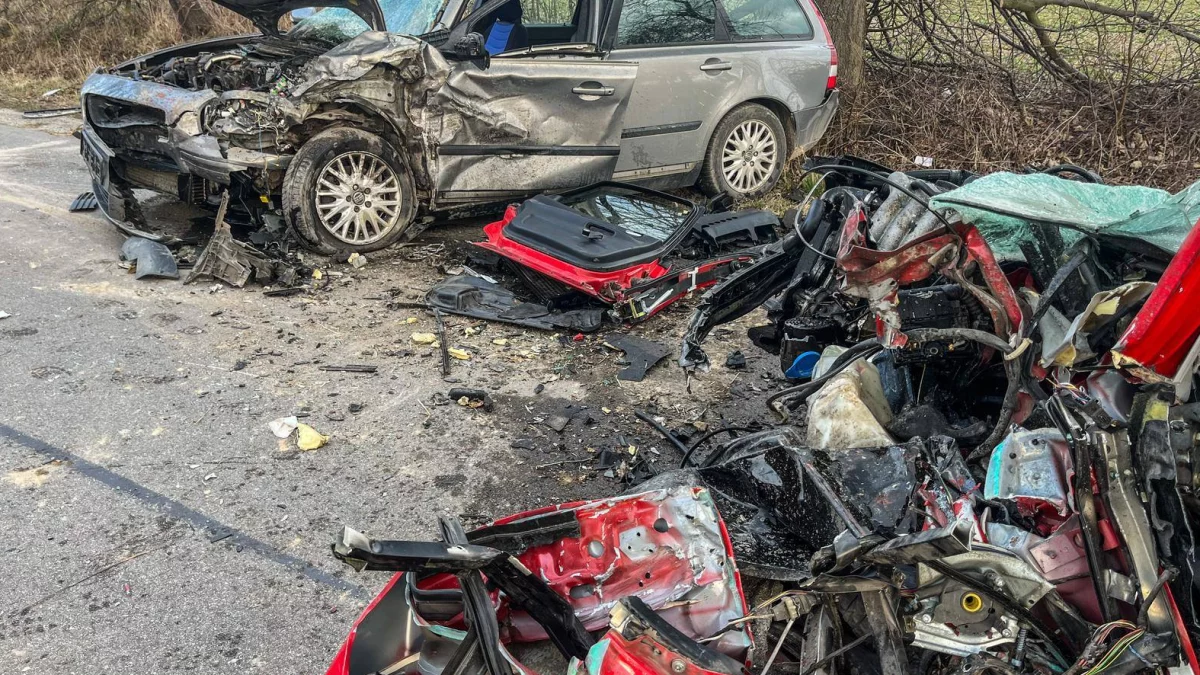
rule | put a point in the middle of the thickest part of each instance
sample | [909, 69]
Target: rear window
[765, 19]
[639, 213]
[661, 22]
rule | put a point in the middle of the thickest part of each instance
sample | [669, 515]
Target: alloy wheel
[749, 157]
[358, 198]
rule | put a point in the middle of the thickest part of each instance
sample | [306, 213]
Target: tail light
[831, 83]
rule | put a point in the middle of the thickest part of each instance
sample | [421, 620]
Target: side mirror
[470, 46]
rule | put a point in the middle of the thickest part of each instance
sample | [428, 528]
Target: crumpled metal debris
[655, 564]
[1042, 546]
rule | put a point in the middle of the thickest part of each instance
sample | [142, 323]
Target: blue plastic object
[803, 366]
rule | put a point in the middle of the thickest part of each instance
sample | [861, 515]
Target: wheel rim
[749, 157]
[358, 198]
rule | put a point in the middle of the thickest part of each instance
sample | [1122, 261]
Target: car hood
[266, 13]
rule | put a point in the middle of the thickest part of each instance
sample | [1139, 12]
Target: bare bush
[1005, 84]
[964, 121]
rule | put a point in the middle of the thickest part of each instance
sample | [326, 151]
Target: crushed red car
[1021, 376]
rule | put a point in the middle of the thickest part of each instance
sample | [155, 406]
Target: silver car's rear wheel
[358, 198]
[750, 156]
[746, 153]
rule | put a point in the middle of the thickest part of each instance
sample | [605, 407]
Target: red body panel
[878, 276]
[1164, 330]
[607, 286]
[661, 546]
[614, 655]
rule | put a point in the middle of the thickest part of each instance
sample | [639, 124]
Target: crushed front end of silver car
[229, 114]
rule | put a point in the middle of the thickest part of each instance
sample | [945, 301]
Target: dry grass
[52, 45]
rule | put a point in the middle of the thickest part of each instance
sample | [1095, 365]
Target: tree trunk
[194, 18]
[847, 21]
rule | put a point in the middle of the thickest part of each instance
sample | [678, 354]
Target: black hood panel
[266, 13]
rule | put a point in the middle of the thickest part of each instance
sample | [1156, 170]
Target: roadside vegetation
[54, 45]
[977, 84]
[1003, 84]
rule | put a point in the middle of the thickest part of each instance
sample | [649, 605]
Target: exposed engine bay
[269, 65]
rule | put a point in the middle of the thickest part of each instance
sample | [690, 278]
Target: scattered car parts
[1027, 392]
[656, 564]
[150, 258]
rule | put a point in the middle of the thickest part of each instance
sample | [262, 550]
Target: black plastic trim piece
[647, 620]
[561, 150]
[659, 129]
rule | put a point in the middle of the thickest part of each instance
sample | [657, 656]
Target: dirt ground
[155, 523]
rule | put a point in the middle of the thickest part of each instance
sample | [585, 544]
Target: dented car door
[553, 121]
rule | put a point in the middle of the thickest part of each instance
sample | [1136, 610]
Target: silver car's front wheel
[348, 190]
[747, 152]
[750, 156]
[358, 198]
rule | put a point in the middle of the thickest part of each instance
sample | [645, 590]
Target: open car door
[549, 121]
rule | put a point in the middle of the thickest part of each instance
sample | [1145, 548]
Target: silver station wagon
[365, 118]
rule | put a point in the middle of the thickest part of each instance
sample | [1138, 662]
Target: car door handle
[714, 64]
[593, 89]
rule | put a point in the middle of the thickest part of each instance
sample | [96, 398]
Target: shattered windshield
[335, 25]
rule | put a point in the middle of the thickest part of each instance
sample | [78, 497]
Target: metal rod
[787, 628]
[441, 332]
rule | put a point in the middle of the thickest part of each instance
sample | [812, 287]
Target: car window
[767, 19]
[549, 12]
[660, 22]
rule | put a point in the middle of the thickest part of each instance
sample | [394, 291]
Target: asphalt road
[152, 523]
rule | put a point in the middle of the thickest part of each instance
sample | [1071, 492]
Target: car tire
[327, 192]
[731, 165]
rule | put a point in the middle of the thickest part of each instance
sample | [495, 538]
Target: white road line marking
[4, 152]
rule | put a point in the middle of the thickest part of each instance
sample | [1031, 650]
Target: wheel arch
[782, 112]
[362, 114]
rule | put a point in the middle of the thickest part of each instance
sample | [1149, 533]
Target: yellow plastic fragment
[424, 338]
[308, 438]
[460, 354]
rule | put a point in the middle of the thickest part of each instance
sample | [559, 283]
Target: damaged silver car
[355, 133]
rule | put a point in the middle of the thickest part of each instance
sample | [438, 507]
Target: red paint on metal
[341, 660]
[610, 287]
[643, 656]
[1185, 639]
[1164, 330]
[619, 553]
[979, 251]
